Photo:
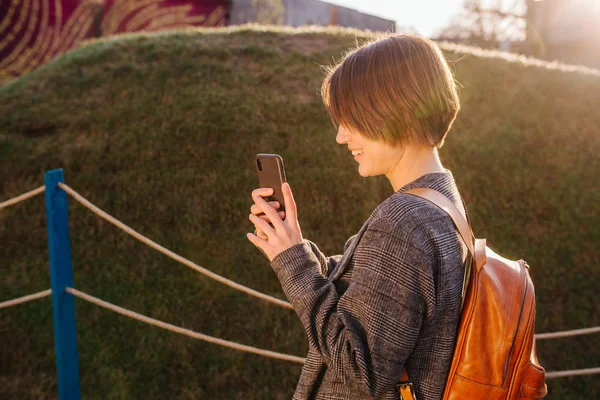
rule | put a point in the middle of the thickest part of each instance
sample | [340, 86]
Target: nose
[342, 135]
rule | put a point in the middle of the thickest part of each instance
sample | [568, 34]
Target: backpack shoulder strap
[464, 229]
[465, 207]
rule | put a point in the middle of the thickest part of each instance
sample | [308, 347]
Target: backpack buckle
[407, 391]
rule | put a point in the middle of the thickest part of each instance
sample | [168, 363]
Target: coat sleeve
[366, 334]
[327, 263]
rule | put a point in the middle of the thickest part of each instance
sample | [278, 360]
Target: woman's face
[375, 158]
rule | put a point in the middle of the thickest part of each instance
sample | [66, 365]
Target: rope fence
[562, 334]
[170, 254]
[236, 285]
[538, 336]
[22, 197]
[183, 331]
[218, 278]
[251, 349]
[573, 372]
[25, 299]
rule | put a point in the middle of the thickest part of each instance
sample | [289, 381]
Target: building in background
[32, 32]
[568, 31]
[305, 12]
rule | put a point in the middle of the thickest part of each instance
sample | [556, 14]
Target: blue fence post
[61, 275]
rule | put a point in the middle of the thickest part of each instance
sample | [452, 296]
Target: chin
[362, 171]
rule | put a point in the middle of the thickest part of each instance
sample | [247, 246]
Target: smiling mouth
[356, 152]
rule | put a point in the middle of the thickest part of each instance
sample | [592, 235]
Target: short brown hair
[397, 88]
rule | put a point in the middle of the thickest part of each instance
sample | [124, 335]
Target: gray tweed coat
[391, 301]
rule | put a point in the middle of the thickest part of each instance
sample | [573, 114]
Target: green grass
[161, 132]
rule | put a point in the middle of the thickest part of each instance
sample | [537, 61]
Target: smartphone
[271, 174]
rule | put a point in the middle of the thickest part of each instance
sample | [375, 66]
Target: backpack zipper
[516, 331]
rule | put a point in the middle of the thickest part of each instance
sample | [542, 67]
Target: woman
[392, 301]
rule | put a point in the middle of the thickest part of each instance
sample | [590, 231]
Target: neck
[413, 163]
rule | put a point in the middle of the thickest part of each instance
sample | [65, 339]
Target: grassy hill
[161, 132]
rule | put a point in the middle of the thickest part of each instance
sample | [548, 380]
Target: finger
[259, 223]
[290, 203]
[269, 212]
[256, 210]
[258, 242]
[280, 213]
[262, 192]
[261, 234]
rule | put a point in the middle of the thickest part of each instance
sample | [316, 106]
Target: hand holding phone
[273, 235]
[271, 174]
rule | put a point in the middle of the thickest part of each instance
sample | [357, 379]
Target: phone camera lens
[259, 165]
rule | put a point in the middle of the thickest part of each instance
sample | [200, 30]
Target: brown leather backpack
[495, 356]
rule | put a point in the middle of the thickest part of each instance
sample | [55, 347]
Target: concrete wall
[313, 12]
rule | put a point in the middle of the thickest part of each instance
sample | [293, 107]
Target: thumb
[290, 203]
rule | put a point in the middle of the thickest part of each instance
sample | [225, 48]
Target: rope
[183, 331]
[573, 372]
[22, 197]
[25, 299]
[227, 282]
[234, 285]
[574, 332]
[170, 254]
[250, 349]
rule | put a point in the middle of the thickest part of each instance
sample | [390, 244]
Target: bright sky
[426, 16]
